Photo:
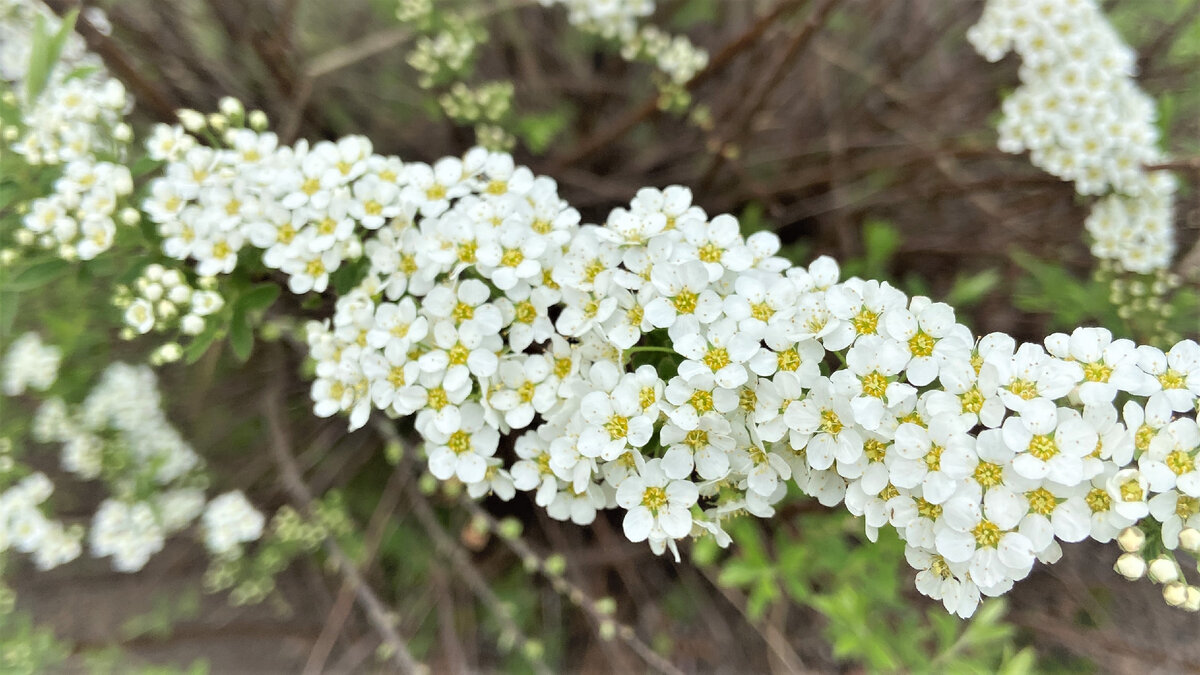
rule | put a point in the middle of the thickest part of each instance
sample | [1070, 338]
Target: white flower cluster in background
[30, 364]
[79, 219]
[25, 528]
[121, 435]
[609, 18]
[162, 298]
[1081, 116]
[621, 20]
[79, 112]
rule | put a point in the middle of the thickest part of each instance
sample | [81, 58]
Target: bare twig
[377, 613]
[647, 108]
[458, 556]
[341, 609]
[574, 592]
[776, 641]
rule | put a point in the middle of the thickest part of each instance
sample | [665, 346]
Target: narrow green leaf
[241, 336]
[45, 52]
[258, 298]
[200, 344]
[37, 275]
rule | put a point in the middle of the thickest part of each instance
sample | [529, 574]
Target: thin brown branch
[388, 500]
[574, 592]
[378, 615]
[647, 108]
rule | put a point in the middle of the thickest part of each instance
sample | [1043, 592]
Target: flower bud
[258, 120]
[218, 122]
[1175, 594]
[1131, 566]
[191, 325]
[122, 133]
[1131, 539]
[130, 216]
[1189, 539]
[1163, 570]
[230, 106]
[191, 120]
[1192, 604]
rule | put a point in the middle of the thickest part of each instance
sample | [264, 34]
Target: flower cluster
[161, 298]
[80, 108]
[664, 364]
[1082, 118]
[25, 528]
[30, 364]
[120, 434]
[611, 19]
[79, 219]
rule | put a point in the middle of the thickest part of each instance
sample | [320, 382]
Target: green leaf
[200, 344]
[38, 274]
[144, 166]
[241, 336]
[881, 240]
[970, 289]
[538, 131]
[258, 298]
[45, 52]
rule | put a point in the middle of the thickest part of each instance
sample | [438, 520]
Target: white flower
[657, 506]
[706, 448]
[1050, 442]
[462, 453]
[720, 351]
[1171, 460]
[683, 289]
[30, 364]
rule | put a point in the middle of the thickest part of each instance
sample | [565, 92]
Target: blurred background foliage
[856, 128]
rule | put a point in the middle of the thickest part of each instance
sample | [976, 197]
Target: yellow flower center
[310, 186]
[921, 344]
[525, 391]
[437, 398]
[396, 377]
[972, 401]
[466, 252]
[988, 474]
[830, 423]
[617, 427]
[874, 384]
[1096, 372]
[435, 192]
[1024, 389]
[709, 253]
[372, 207]
[562, 367]
[865, 322]
[940, 567]
[762, 311]
[1043, 447]
[748, 399]
[1042, 501]
[927, 509]
[987, 534]
[788, 359]
[314, 268]
[889, 492]
[1131, 491]
[1186, 507]
[1142, 438]
[458, 354]
[702, 401]
[1172, 379]
[512, 257]
[933, 458]
[696, 439]
[716, 358]
[875, 450]
[654, 498]
[1180, 462]
[525, 312]
[459, 443]
[647, 397]
[593, 270]
[1098, 500]
[462, 312]
[497, 187]
[685, 302]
